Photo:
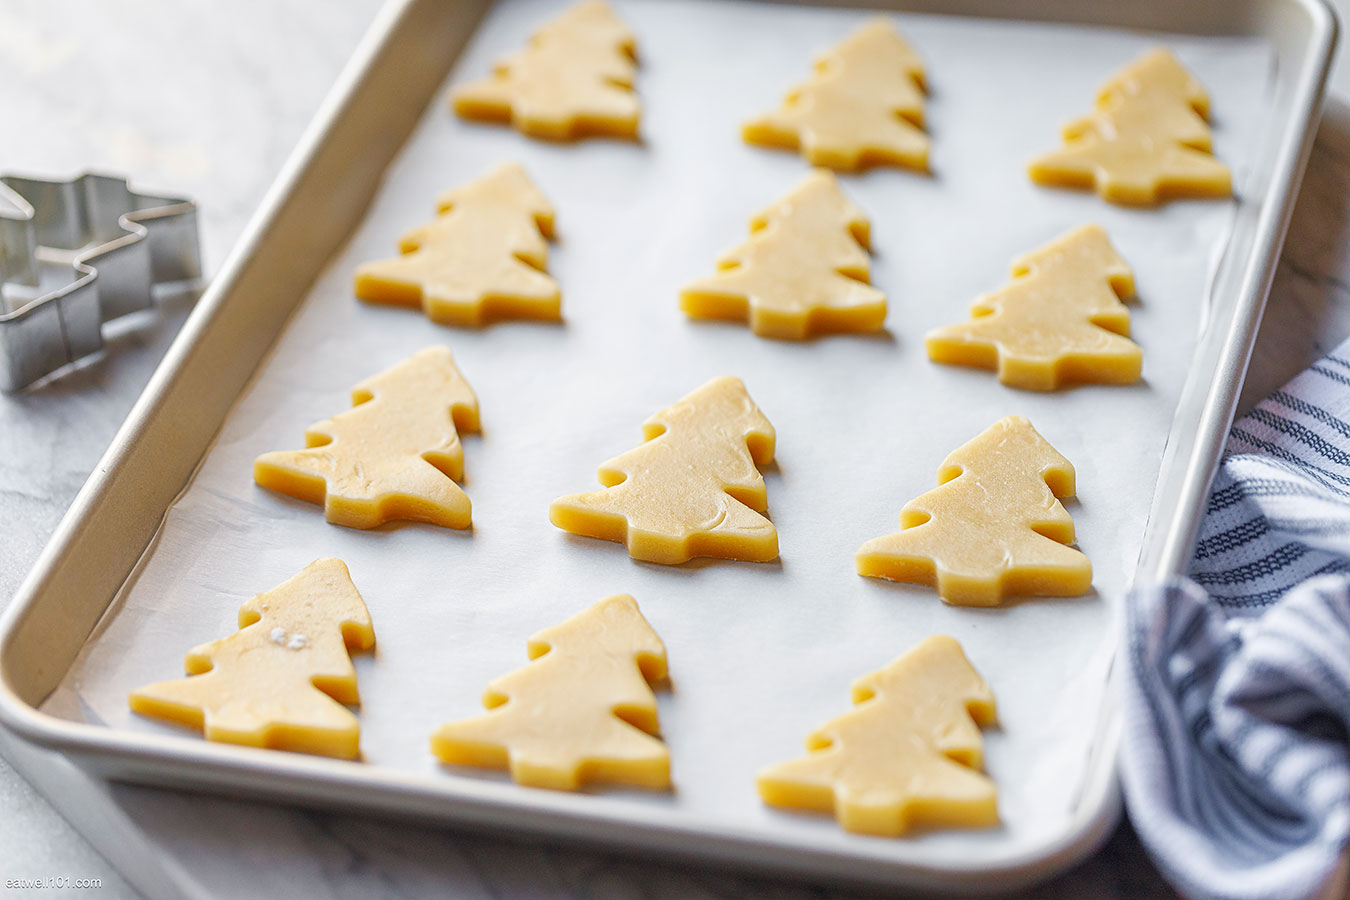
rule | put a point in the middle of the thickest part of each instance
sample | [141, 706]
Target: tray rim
[189, 762]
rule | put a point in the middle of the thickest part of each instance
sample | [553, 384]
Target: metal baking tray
[338, 180]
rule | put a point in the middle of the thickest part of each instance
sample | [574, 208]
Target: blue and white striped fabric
[1236, 755]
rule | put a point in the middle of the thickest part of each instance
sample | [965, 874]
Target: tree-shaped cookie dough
[395, 454]
[581, 712]
[1147, 139]
[805, 269]
[691, 489]
[993, 528]
[1060, 320]
[573, 79]
[282, 679]
[908, 755]
[481, 259]
[862, 107]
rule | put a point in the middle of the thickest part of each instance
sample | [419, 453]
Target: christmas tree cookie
[1060, 320]
[395, 454]
[581, 712]
[862, 107]
[908, 755]
[573, 79]
[804, 271]
[281, 681]
[1147, 140]
[993, 528]
[481, 259]
[691, 489]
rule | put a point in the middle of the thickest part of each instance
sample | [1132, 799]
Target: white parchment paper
[760, 654]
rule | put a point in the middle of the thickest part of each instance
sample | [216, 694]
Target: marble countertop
[207, 99]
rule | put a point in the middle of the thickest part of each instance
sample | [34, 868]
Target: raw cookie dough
[573, 79]
[281, 680]
[1146, 141]
[692, 489]
[993, 528]
[805, 269]
[908, 755]
[1060, 320]
[582, 712]
[482, 258]
[395, 454]
[862, 107]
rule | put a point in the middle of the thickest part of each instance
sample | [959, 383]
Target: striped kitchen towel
[1236, 755]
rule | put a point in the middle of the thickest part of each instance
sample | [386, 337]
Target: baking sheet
[760, 654]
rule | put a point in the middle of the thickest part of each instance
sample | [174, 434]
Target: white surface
[862, 424]
[61, 118]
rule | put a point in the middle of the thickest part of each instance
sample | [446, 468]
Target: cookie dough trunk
[1175, 173]
[435, 284]
[1052, 570]
[617, 753]
[738, 532]
[308, 722]
[416, 493]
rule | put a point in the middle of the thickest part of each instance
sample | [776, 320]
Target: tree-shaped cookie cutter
[78, 253]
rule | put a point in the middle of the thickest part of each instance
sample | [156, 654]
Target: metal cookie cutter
[53, 304]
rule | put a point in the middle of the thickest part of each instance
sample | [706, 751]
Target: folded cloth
[1236, 753]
